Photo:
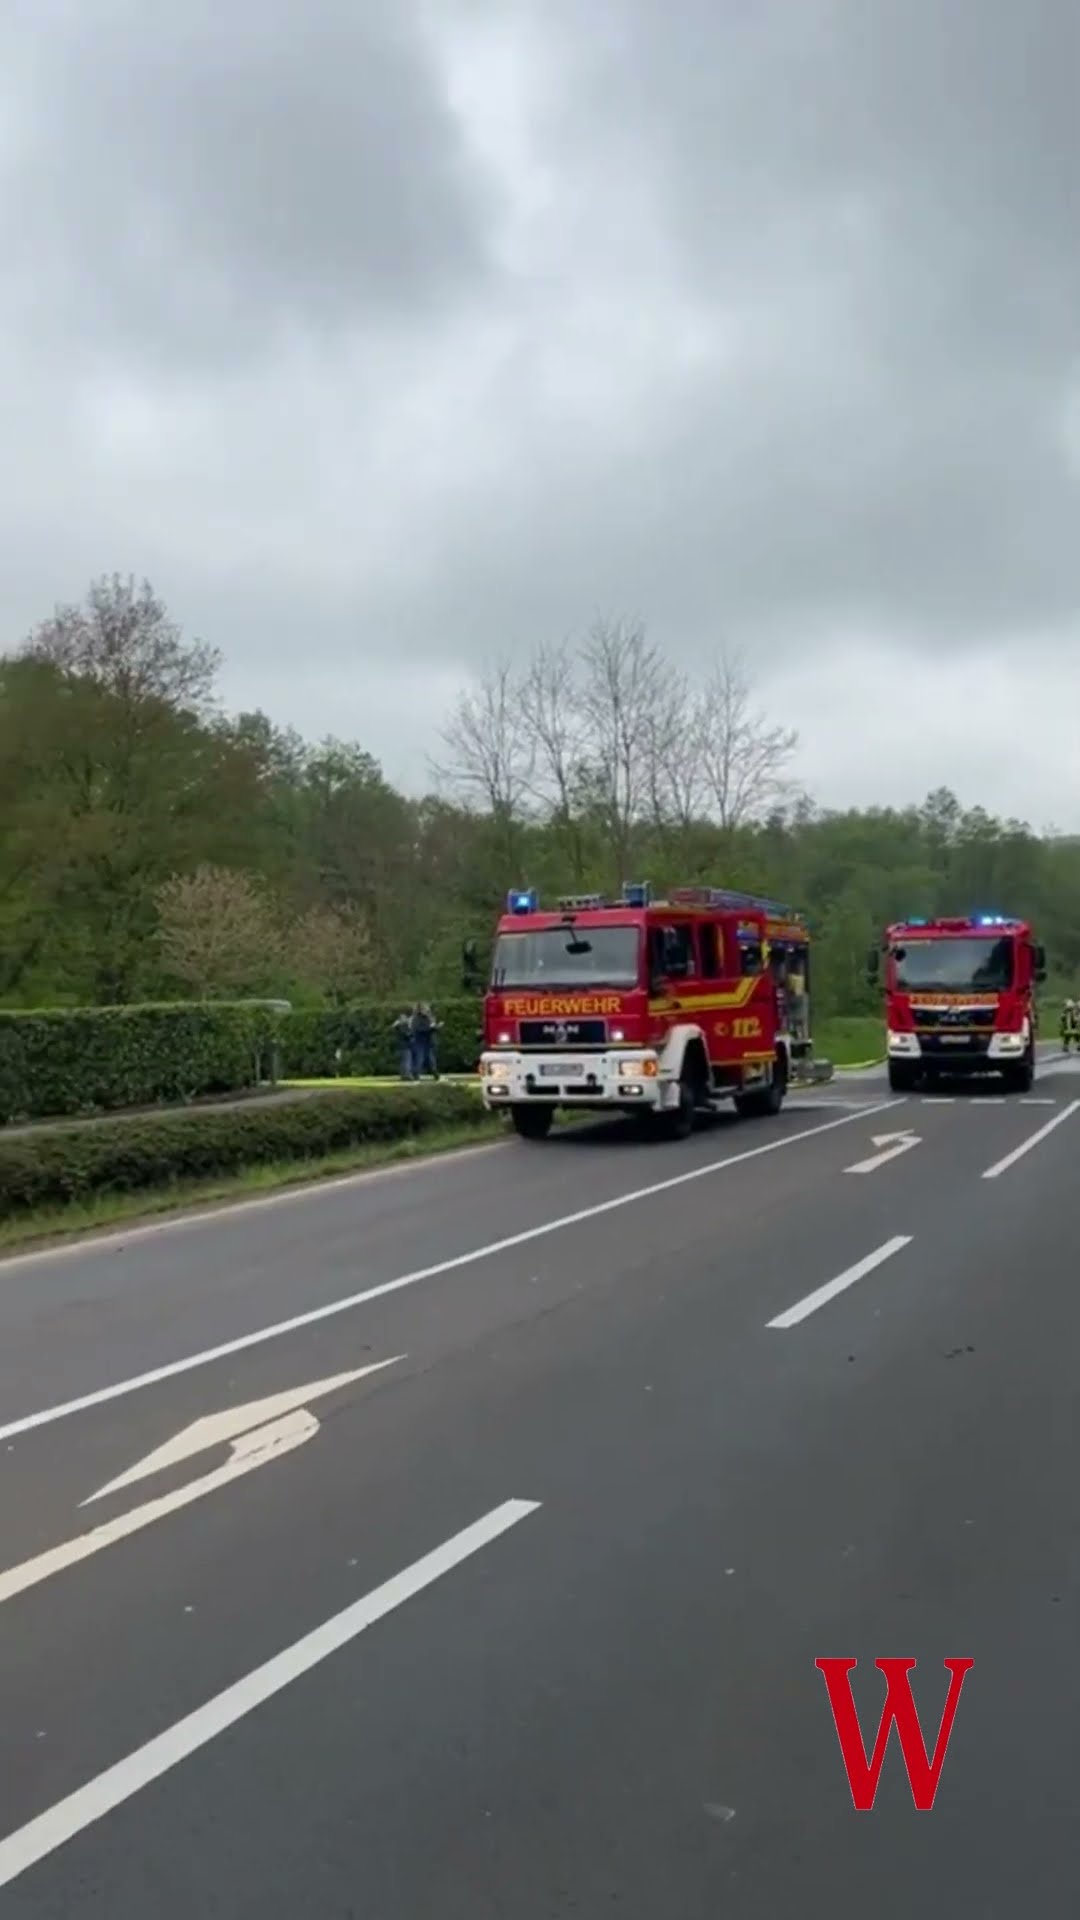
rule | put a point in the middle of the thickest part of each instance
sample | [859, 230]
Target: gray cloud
[415, 334]
[193, 184]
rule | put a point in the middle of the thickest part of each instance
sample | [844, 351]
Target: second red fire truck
[960, 998]
[663, 1008]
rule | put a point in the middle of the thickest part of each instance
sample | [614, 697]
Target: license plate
[954, 1039]
[561, 1069]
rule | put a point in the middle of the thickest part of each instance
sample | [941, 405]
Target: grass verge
[851, 1040]
[104, 1211]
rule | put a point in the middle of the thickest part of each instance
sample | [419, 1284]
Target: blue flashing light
[636, 895]
[521, 900]
[992, 920]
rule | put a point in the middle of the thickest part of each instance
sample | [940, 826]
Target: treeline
[155, 847]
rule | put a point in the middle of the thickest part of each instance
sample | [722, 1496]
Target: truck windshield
[551, 958]
[953, 966]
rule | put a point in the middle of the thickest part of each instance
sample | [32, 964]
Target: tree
[744, 758]
[122, 639]
[622, 687]
[331, 948]
[551, 707]
[490, 755]
[218, 932]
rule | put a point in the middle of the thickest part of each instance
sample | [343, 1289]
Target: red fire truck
[659, 1008]
[960, 998]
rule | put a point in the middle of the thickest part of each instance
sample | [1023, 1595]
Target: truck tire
[902, 1076]
[678, 1122]
[531, 1123]
[1021, 1078]
[765, 1100]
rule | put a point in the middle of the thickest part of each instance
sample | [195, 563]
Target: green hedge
[311, 1037]
[55, 1165]
[97, 1059]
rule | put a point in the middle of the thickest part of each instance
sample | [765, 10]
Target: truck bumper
[628, 1077]
[969, 1053]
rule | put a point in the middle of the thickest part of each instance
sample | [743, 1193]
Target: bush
[311, 1037]
[101, 1058]
[55, 1165]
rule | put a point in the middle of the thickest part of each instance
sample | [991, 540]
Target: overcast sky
[387, 339]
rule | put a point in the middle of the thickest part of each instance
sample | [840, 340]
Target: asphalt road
[524, 1622]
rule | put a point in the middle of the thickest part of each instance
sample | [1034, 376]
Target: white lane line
[822, 1295]
[939, 1100]
[1025, 1102]
[98, 1797]
[1034, 1140]
[169, 1371]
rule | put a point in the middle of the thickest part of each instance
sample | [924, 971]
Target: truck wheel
[678, 1122]
[531, 1123]
[765, 1100]
[902, 1076]
[1021, 1078]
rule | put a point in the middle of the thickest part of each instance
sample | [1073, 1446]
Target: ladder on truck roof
[728, 900]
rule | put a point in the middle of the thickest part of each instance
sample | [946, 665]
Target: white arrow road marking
[98, 1797]
[216, 1428]
[250, 1449]
[893, 1145]
[822, 1295]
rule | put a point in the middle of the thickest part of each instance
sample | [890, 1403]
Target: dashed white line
[98, 1797]
[822, 1295]
[47, 1415]
[1034, 1140]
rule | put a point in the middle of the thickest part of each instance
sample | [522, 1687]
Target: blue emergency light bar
[522, 900]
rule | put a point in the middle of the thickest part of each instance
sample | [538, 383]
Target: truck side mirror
[1040, 963]
[873, 964]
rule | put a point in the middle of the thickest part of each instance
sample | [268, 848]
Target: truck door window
[750, 957]
[671, 951]
[710, 950]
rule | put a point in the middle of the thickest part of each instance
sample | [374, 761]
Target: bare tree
[552, 712]
[122, 639]
[743, 757]
[674, 771]
[217, 931]
[331, 948]
[623, 687]
[489, 753]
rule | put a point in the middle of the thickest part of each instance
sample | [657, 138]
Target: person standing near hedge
[424, 1028]
[403, 1033]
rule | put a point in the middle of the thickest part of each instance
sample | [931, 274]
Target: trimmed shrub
[55, 1165]
[311, 1037]
[96, 1059]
